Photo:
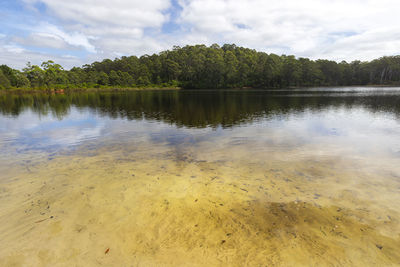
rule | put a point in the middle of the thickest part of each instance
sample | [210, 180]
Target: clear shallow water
[284, 177]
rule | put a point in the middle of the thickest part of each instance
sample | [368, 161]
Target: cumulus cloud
[103, 19]
[48, 35]
[17, 57]
[73, 38]
[305, 28]
[120, 13]
[12, 48]
[97, 29]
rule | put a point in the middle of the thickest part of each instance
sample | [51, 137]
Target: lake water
[193, 178]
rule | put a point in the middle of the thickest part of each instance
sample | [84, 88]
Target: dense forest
[200, 67]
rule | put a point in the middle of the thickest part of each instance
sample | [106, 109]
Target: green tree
[311, 74]
[231, 69]
[21, 80]
[291, 71]
[4, 82]
[53, 73]
[34, 74]
[103, 78]
[126, 78]
[199, 66]
[114, 78]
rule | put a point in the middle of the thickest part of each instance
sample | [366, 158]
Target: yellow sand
[163, 207]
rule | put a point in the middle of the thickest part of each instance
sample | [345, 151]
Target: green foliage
[4, 82]
[54, 74]
[200, 66]
[21, 80]
[35, 75]
[103, 78]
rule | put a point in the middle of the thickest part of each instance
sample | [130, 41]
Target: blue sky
[77, 32]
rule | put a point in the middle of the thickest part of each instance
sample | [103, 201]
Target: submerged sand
[156, 206]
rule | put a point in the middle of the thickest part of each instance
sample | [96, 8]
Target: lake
[193, 178]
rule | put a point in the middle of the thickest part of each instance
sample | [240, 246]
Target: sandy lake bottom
[315, 186]
[153, 206]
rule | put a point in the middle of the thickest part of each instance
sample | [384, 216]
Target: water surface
[193, 178]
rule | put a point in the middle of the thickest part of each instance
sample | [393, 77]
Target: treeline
[201, 67]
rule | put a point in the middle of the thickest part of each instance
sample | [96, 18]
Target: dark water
[212, 177]
[361, 117]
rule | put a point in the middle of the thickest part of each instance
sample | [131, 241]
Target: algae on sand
[145, 208]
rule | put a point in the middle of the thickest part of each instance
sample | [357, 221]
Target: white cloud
[120, 13]
[129, 46]
[333, 29]
[50, 36]
[74, 38]
[104, 19]
[12, 48]
[44, 40]
[103, 28]
[17, 57]
[304, 28]
[367, 45]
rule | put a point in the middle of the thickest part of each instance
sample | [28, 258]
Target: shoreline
[122, 89]
[80, 90]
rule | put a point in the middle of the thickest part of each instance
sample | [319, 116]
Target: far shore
[122, 89]
[92, 89]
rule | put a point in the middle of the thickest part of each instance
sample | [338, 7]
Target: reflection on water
[302, 177]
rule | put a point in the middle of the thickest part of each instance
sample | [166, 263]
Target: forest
[202, 67]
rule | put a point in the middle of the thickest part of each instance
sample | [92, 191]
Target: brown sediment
[276, 213]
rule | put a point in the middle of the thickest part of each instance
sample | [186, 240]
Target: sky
[77, 32]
